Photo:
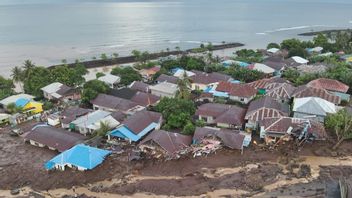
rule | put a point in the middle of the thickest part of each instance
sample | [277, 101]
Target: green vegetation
[341, 124]
[103, 130]
[249, 56]
[12, 108]
[127, 75]
[184, 88]
[99, 74]
[141, 57]
[244, 74]
[273, 45]
[6, 86]
[177, 113]
[92, 88]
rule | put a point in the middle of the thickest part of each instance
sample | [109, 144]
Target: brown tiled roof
[234, 116]
[228, 114]
[208, 78]
[305, 91]
[329, 84]
[280, 126]
[54, 137]
[266, 107]
[140, 120]
[65, 90]
[280, 91]
[113, 102]
[166, 78]
[125, 93]
[118, 115]
[261, 84]
[72, 113]
[140, 86]
[275, 62]
[231, 139]
[145, 99]
[170, 142]
[240, 90]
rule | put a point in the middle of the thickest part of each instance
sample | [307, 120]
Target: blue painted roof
[174, 70]
[235, 81]
[21, 102]
[81, 156]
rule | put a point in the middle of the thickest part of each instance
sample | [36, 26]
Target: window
[242, 99]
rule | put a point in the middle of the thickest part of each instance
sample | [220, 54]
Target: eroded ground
[256, 173]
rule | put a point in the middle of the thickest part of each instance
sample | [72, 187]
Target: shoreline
[314, 33]
[92, 64]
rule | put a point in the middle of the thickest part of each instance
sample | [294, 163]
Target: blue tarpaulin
[21, 102]
[82, 156]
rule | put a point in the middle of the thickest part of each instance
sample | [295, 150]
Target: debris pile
[206, 146]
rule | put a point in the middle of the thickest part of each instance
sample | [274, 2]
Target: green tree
[291, 75]
[80, 69]
[176, 112]
[115, 55]
[37, 78]
[103, 130]
[99, 74]
[17, 76]
[28, 65]
[127, 75]
[244, 74]
[6, 87]
[189, 128]
[273, 45]
[184, 87]
[341, 123]
[92, 88]
[103, 57]
[12, 108]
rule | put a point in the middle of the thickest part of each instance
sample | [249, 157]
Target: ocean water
[47, 31]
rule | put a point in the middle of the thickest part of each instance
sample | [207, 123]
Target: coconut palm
[28, 65]
[184, 84]
[17, 76]
[104, 129]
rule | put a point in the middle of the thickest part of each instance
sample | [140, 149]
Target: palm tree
[103, 130]
[184, 84]
[177, 48]
[17, 76]
[28, 65]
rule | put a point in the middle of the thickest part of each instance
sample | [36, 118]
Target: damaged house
[274, 128]
[222, 115]
[228, 138]
[160, 142]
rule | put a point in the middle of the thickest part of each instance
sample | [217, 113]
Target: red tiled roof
[305, 91]
[240, 90]
[280, 91]
[261, 84]
[329, 84]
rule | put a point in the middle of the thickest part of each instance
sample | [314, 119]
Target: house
[170, 143]
[273, 50]
[145, 99]
[166, 78]
[141, 98]
[335, 87]
[277, 63]
[181, 73]
[112, 103]
[280, 91]
[4, 119]
[295, 61]
[54, 119]
[206, 97]
[29, 106]
[164, 89]
[222, 115]
[81, 157]
[230, 139]
[87, 124]
[261, 85]
[274, 128]
[265, 107]
[53, 138]
[268, 71]
[70, 114]
[315, 50]
[137, 126]
[59, 91]
[201, 80]
[111, 80]
[147, 74]
[243, 93]
[139, 86]
[316, 68]
[12, 99]
[307, 91]
[312, 108]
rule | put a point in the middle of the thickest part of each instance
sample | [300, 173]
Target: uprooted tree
[341, 124]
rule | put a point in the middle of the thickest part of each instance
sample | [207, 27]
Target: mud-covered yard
[257, 172]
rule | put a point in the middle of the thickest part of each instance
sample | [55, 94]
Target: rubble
[206, 146]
